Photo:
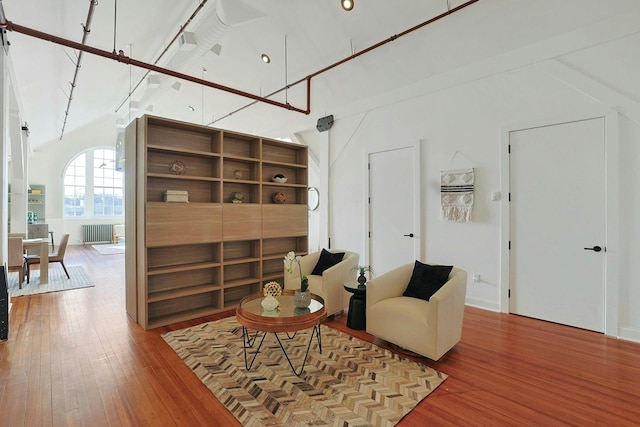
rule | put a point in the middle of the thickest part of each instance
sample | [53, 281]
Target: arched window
[92, 186]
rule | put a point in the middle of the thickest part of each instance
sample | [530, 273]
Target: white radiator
[97, 233]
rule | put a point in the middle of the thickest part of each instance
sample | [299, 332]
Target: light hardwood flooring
[74, 358]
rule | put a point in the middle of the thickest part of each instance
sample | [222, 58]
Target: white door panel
[558, 209]
[392, 209]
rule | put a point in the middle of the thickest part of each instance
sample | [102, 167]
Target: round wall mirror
[313, 198]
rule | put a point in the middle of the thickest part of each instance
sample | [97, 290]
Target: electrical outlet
[476, 278]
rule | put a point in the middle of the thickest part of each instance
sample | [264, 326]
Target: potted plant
[362, 269]
[302, 297]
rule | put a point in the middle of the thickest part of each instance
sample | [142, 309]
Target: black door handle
[408, 235]
[595, 249]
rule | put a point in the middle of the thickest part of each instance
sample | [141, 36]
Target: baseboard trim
[483, 304]
[629, 334]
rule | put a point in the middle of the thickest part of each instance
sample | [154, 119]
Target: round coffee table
[286, 319]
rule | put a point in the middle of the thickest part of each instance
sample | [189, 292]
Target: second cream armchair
[330, 285]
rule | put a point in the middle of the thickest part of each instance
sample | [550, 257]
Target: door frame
[611, 273]
[417, 214]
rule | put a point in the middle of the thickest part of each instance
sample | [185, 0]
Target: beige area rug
[352, 383]
[109, 249]
[57, 281]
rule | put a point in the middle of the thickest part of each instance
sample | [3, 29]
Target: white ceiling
[302, 37]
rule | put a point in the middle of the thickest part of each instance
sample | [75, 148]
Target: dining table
[43, 244]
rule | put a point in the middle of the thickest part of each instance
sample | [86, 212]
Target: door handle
[408, 235]
[595, 249]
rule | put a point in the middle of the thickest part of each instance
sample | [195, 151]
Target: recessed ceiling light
[265, 58]
[191, 108]
[347, 4]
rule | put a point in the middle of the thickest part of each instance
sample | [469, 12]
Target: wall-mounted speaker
[324, 123]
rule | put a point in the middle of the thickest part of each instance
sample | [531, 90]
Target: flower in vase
[289, 261]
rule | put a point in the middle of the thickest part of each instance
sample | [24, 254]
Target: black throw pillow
[426, 280]
[326, 260]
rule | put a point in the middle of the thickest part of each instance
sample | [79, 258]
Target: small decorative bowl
[279, 178]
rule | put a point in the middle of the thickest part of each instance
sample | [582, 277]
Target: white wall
[47, 165]
[468, 118]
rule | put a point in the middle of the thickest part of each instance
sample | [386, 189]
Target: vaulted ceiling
[227, 37]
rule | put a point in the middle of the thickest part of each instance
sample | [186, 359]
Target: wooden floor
[73, 358]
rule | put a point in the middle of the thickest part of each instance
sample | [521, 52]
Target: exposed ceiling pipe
[121, 57]
[349, 58]
[86, 28]
[166, 49]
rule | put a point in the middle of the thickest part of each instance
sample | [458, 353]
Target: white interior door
[394, 204]
[557, 178]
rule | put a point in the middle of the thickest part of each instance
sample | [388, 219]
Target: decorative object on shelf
[177, 196]
[279, 198]
[272, 288]
[279, 178]
[237, 174]
[269, 303]
[176, 167]
[362, 269]
[302, 296]
[236, 197]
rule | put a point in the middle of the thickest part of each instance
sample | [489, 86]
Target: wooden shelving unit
[188, 260]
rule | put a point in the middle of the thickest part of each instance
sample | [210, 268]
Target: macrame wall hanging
[456, 194]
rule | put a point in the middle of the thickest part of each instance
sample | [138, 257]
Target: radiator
[97, 233]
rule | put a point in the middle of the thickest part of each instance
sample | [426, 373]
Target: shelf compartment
[284, 152]
[243, 250]
[187, 307]
[273, 278]
[274, 226]
[164, 260]
[181, 292]
[183, 151]
[173, 285]
[278, 247]
[250, 192]
[235, 274]
[170, 224]
[160, 162]
[293, 195]
[232, 296]
[199, 191]
[240, 146]
[295, 176]
[272, 267]
[181, 137]
[248, 170]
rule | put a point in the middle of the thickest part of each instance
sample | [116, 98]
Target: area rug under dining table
[351, 383]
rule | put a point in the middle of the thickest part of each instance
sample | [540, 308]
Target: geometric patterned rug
[57, 281]
[352, 383]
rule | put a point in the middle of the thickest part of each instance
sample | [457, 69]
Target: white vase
[302, 299]
[269, 303]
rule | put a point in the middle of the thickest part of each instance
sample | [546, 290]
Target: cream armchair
[429, 328]
[330, 286]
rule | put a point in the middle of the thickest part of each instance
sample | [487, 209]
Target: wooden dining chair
[53, 257]
[16, 259]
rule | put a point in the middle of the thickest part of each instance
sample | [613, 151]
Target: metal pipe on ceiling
[182, 28]
[121, 57]
[86, 28]
[349, 58]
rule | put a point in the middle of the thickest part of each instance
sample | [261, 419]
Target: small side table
[357, 318]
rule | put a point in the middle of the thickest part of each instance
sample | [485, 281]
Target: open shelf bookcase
[189, 260]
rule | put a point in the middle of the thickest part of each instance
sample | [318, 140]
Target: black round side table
[357, 317]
